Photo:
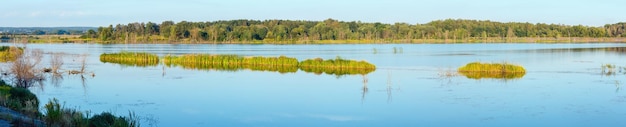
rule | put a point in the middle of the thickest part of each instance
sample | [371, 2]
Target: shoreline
[77, 39]
[14, 115]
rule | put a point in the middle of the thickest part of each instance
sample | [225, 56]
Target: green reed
[492, 68]
[478, 70]
[281, 64]
[481, 75]
[337, 66]
[131, 58]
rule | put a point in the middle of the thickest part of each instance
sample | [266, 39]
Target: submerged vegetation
[612, 69]
[131, 58]
[478, 70]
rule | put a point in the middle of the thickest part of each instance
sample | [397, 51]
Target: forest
[296, 31]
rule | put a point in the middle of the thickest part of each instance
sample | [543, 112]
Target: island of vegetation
[478, 70]
[131, 58]
[282, 64]
[337, 66]
[332, 31]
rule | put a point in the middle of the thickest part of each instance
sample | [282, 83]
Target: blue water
[561, 87]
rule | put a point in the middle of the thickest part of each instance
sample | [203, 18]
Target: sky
[55, 13]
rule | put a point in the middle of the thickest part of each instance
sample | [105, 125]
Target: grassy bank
[130, 58]
[55, 114]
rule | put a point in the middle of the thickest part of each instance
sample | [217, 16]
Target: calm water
[564, 86]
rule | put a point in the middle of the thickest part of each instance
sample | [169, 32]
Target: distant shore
[77, 39]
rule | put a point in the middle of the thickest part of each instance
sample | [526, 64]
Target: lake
[564, 85]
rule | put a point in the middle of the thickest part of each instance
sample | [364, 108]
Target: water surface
[564, 86]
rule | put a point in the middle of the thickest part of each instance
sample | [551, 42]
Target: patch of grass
[131, 58]
[281, 64]
[337, 63]
[19, 99]
[492, 68]
[337, 66]
[481, 75]
[58, 116]
[478, 70]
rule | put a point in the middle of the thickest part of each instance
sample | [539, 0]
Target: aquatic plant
[58, 116]
[10, 53]
[477, 70]
[481, 75]
[492, 68]
[130, 58]
[281, 64]
[337, 66]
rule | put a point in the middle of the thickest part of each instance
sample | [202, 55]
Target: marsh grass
[478, 70]
[130, 58]
[281, 64]
[58, 116]
[492, 68]
[337, 66]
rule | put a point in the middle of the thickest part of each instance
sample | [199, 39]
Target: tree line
[330, 29]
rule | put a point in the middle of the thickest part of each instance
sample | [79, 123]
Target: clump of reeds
[478, 70]
[336, 63]
[479, 75]
[233, 62]
[492, 68]
[337, 66]
[131, 58]
[10, 53]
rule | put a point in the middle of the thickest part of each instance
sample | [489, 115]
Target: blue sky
[29, 13]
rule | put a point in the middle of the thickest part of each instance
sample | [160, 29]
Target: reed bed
[281, 64]
[131, 58]
[492, 68]
[337, 66]
[10, 53]
[481, 75]
[336, 63]
[478, 70]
